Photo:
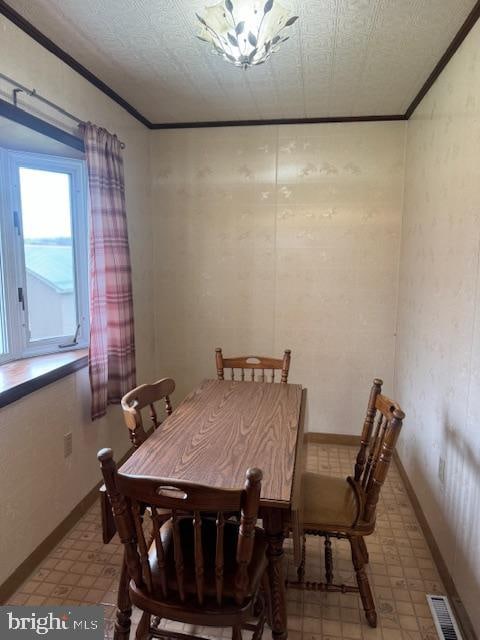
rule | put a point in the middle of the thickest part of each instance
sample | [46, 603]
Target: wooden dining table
[218, 431]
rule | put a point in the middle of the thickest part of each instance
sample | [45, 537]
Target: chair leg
[261, 614]
[364, 549]
[328, 560]
[124, 606]
[143, 629]
[268, 597]
[362, 581]
[237, 632]
[301, 566]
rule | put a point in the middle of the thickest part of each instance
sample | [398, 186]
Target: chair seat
[329, 503]
[256, 567]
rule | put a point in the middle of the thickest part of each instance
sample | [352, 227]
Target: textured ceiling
[344, 57]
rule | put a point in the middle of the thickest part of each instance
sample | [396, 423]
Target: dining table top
[222, 428]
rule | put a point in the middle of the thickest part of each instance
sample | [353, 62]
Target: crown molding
[28, 28]
[253, 123]
[463, 32]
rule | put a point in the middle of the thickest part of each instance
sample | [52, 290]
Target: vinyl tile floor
[82, 570]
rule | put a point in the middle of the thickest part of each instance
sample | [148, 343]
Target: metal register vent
[445, 622]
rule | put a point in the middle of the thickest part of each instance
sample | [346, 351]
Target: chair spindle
[384, 422]
[219, 556]
[178, 555]
[378, 475]
[153, 417]
[197, 532]
[157, 523]
[142, 545]
[219, 363]
[367, 429]
[371, 451]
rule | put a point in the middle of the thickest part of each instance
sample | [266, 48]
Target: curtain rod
[33, 93]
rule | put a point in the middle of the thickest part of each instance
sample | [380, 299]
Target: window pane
[47, 237]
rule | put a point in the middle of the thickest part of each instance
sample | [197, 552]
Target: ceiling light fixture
[243, 32]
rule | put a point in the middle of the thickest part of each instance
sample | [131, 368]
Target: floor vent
[445, 622]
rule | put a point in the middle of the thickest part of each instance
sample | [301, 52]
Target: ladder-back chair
[248, 366]
[333, 507]
[194, 568]
[146, 395]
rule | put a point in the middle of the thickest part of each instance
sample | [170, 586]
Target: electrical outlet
[67, 445]
[441, 470]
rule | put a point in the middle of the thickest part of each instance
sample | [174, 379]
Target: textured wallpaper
[438, 350]
[281, 237]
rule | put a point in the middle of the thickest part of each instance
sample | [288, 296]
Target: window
[44, 263]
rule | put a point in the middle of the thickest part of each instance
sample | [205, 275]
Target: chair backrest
[186, 503]
[381, 429]
[145, 395]
[252, 364]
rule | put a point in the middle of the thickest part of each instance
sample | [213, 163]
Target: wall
[437, 378]
[38, 486]
[280, 237]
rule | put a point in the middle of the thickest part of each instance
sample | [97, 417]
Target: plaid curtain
[112, 345]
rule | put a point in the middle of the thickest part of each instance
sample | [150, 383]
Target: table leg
[124, 606]
[275, 531]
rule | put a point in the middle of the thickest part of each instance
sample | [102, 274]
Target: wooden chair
[132, 404]
[146, 395]
[253, 363]
[333, 507]
[195, 569]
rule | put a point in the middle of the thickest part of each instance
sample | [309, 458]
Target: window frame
[12, 257]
